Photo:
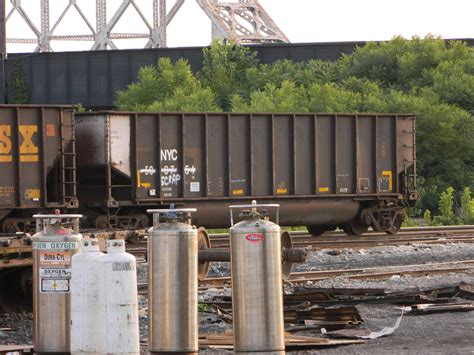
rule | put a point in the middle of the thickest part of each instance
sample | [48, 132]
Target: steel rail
[364, 273]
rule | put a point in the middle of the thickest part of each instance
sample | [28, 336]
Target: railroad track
[382, 272]
[340, 240]
[329, 240]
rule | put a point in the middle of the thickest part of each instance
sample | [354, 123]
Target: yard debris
[308, 318]
[438, 308]
[225, 341]
[363, 333]
[327, 296]
[333, 318]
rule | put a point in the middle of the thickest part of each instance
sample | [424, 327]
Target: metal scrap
[439, 308]
[226, 341]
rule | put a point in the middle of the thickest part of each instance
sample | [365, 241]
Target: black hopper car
[325, 170]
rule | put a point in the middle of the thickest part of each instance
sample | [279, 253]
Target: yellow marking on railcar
[238, 192]
[324, 189]
[388, 173]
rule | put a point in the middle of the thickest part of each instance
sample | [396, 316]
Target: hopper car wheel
[8, 226]
[89, 219]
[204, 242]
[355, 227]
[397, 224]
[140, 220]
[316, 230]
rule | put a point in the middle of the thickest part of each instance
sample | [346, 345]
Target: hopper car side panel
[197, 158]
[37, 167]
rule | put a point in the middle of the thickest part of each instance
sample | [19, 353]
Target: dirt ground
[442, 333]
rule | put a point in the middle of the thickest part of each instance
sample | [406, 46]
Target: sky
[300, 20]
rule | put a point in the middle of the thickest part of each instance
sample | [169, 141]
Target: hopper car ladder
[68, 163]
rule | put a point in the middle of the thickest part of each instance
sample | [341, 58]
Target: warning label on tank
[55, 258]
[124, 266]
[54, 285]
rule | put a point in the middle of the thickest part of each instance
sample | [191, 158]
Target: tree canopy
[428, 76]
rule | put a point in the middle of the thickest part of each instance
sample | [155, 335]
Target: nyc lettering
[28, 150]
[169, 154]
[169, 173]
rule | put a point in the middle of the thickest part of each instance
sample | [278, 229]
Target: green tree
[466, 212]
[224, 68]
[446, 208]
[166, 87]
[287, 98]
[20, 88]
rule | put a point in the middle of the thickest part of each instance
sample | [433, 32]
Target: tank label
[255, 238]
[54, 271]
[56, 245]
[55, 258]
[123, 266]
[64, 273]
[54, 285]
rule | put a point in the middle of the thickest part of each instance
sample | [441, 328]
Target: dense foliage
[431, 77]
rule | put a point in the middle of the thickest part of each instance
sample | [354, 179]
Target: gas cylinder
[88, 327]
[121, 299]
[173, 282]
[257, 294]
[55, 242]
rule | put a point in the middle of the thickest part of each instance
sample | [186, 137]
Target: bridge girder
[242, 22]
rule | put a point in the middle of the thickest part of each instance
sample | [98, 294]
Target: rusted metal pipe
[293, 255]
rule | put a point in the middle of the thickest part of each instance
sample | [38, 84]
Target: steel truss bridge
[242, 21]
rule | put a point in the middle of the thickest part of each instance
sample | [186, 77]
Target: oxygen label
[55, 271]
[56, 245]
[255, 238]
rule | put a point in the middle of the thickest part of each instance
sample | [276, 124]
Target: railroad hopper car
[37, 163]
[325, 170]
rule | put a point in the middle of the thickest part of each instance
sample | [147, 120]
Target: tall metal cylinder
[173, 282]
[257, 294]
[54, 244]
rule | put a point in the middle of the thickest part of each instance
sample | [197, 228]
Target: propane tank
[121, 299]
[172, 282]
[257, 294]
[88, 328]
[54, 244]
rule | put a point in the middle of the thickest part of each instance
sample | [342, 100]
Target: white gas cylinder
[121, 299]
[88, 326]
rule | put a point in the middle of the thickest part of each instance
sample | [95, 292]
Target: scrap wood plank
[226, 341]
